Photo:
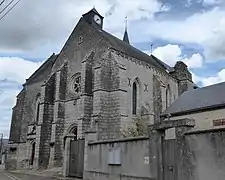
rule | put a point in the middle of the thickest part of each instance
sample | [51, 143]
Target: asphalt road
[18, 176]
[6, 176]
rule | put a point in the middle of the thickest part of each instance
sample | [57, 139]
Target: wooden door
[76, 158]
[169, 159]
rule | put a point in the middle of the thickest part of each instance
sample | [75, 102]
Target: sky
[180, 30]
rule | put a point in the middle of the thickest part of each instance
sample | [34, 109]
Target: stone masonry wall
[99, 160]
[106, 116]
[157, 101]
[152, 82]
[56, 153]
[45, 123]
[17, 116]
[184, 77]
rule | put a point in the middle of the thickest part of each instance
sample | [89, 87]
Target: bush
[138, 127]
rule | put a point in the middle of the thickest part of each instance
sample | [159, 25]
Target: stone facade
[88, 85]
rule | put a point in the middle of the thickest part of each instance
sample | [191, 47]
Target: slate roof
[95, 11]
[49, 62]
[131, 51]
[205, 98]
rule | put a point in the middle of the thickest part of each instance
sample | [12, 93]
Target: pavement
[4, 175]
[22, 175]
[7, 175]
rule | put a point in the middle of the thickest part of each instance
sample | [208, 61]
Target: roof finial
[151, 48]
[125, 36]
[126, 23]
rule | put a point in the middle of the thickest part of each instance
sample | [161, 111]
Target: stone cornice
[141, 63]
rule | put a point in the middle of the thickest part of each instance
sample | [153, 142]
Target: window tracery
[75, 86]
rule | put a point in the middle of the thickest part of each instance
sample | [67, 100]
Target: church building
[96, 82]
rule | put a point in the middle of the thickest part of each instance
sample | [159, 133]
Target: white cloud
[16, 69]
[7, 101]
[205, 28]
[214, 45]
[198, 28]
[195, 61]
[170, 54]
[134, 9]
[206, 81]
[211, 2]
[33, 24]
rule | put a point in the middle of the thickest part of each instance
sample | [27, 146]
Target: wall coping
[202, 131]
[119, 140]
[166, 124]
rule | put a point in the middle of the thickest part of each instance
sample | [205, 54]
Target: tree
[139, 127]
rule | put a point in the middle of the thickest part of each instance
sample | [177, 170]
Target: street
[6, 176]
[17, 176]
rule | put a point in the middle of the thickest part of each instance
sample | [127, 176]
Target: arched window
[134, 99]
[168, 96]
[38, 111]
[75, 86]
[37, 107]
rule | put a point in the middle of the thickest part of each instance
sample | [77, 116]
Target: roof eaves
[41, 67]
[192, 111]
[115, 49]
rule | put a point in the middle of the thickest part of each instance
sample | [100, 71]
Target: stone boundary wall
[119, 159]
[206, 157]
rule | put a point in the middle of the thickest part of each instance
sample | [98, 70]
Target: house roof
[131, 51]
[206, 98]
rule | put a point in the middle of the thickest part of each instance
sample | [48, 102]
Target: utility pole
[1, 147]
[1, 134]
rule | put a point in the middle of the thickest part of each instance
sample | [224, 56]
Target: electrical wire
[6, 6]
[2, 2]
[9, 10]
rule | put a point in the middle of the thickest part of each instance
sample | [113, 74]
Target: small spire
[125, 36]
[126, 23]
[151, 48]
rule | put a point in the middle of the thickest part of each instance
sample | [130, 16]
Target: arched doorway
[74, 153]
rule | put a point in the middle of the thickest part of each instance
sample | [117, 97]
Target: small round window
[76, 83]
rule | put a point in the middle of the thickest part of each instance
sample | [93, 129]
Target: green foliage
[138, 127]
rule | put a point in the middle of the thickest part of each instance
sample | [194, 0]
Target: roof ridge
[99, 31]
[216, 84]
[93, 10]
